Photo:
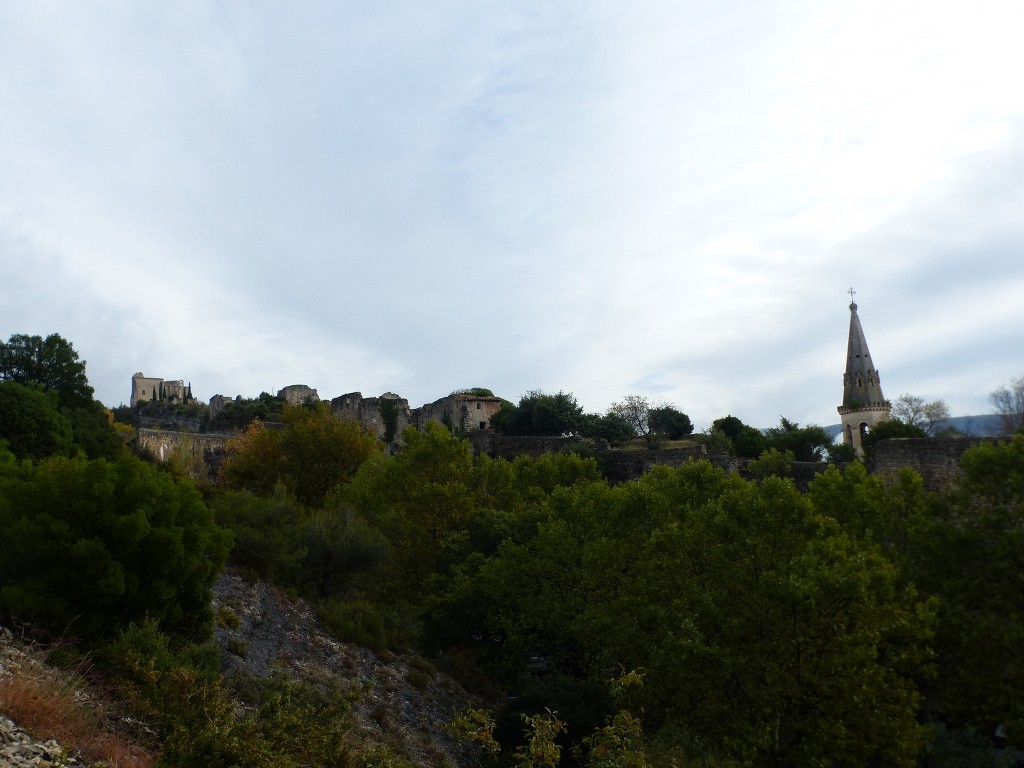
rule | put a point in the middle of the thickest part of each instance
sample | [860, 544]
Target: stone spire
[864, 405]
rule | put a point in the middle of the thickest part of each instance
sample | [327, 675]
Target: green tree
[968, 550]
[422, 499]
[31, 423]
[611, 427]
[540, 414]
[770, 636]
[669, 421]
[91, 546]
[747, 441]
[635, 410]
[52, 363]
[808, 443]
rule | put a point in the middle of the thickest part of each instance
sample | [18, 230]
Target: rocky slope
[402, 702]
[399, 707]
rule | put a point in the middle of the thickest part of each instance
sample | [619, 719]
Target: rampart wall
[936, 459]
[200, 454]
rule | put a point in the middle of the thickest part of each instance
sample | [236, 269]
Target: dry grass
[49, 709]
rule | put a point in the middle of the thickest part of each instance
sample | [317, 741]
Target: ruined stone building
[147, 389]
[864, 405]
[298, 394]
[461, 412]
[375, 413]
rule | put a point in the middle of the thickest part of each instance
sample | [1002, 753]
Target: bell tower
[864, 405]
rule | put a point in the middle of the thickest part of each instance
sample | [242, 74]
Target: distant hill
[985, 425]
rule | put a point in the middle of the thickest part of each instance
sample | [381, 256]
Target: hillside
[400, 704]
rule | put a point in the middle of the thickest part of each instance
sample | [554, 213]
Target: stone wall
[936, 459]
[489, 443]
[201, 454]
[621, 466]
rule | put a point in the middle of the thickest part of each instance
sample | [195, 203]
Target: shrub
[358, 621]
[91, 546]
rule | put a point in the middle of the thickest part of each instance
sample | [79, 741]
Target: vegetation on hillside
[843, 626]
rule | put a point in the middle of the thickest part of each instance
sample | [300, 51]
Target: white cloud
[669, 197]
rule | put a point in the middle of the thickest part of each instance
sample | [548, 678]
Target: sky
[669, 199]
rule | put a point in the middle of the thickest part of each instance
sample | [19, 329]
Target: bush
[91, 546]
[359, 622]
[285, 725]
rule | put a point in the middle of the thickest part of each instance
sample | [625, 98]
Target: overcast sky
[659, 198]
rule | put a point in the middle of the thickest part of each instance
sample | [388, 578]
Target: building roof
[862, 387]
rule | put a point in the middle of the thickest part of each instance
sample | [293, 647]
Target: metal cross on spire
[851, 292]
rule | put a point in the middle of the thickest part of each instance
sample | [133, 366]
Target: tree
[770, 636]
[746, 441]
[913, 410]
[1009, 404]
[31, 423]
[669, 421]
[635, 411]
[808, 443]
[653, 423]
[611, 427]
[52, 363]
[731, 426]
[968, 552]
[540, 414]
[313, 453]
[91, 546]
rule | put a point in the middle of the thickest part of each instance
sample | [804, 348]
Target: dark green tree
[541, 414]
[31, 423]
[669, 421]
[968, 550]
[808, 443]
[91, 546]
[52, 363]
[747, 441]
[730, 425]
[611, 427]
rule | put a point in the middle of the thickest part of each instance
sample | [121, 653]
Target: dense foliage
[51, 363]
[313, 453]
[92, 545]
[540, 414]
[31, 422]
[864, 622]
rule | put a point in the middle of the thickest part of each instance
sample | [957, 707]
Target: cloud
[668, 198]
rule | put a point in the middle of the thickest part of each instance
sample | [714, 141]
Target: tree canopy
[52, 363]
[91, 546]
[540, 414]
[31, 423]
[314, 452]
[653, 423]
[1008, 402]
[810, 443]
[915, 411]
